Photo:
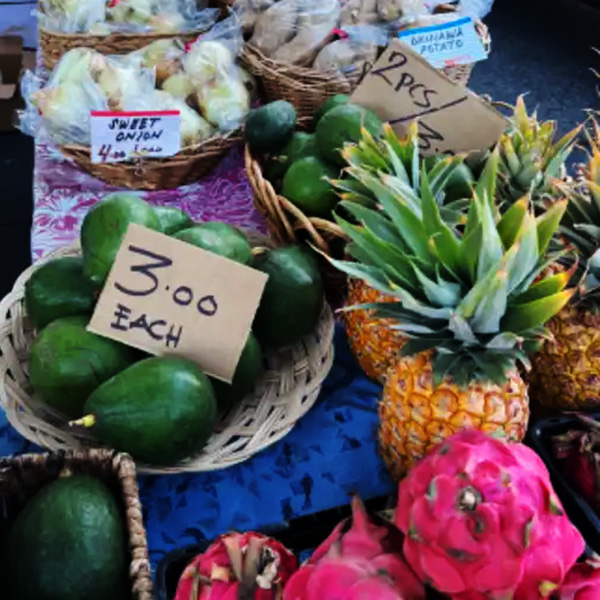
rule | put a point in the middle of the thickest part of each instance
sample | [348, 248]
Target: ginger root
[345, 56]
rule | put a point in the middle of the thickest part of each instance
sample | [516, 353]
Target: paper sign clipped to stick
[168, 297]
[402, 87]
[121, 136]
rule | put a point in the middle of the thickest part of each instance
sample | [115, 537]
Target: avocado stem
[87, 421]
[258, 250]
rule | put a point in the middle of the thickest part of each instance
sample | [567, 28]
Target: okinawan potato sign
[402, 86]
[166, 296]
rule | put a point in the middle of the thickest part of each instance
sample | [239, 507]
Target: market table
[331, 452]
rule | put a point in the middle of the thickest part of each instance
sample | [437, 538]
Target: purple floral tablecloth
[63, 194]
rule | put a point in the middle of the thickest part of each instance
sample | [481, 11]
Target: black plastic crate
[582, 515]
[301, 536]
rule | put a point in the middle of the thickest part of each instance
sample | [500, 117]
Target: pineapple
[530, 160]
[566, 372]
[373, 343]
[465, 296]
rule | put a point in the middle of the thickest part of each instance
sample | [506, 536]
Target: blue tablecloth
[330, 453]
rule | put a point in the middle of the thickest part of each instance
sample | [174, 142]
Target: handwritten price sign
[166, 296]
[121, 136]
[402, 86]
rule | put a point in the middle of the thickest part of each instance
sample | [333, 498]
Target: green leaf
[561, 151]
[486, 186]
[380, 253]
[376, 223]
[370, 275]
[462, 330]
[547, 224]
[405, 192]
[492, 307]
[443, 363]
[511, 222]
[418, 345]
[527, 255]
[398, 168]
[504, 341]
[411, 303]
[478, 292]
[445, 240]
[468, 253]
[527, 316]
[439, 294]
[546, 287]
[493, 367]
[491, 246]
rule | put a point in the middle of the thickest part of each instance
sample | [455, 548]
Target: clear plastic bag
[477, 9]
[83, 81]
[219, 84]
[102, 17]
[294, 31]
[356, 45]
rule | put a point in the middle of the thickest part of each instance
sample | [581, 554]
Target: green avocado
[301, 144]
[247, 371]
[172, 219]
[68, 543]
[104, 227]
[269, 127]
[292, 301]
[219, 238]
[67, 363]
[342, 125]
[160, 410]
[330, 103]
[57, 289]
[306, 185]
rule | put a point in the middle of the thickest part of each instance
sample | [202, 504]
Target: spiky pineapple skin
[565, 373]
[414, 416]
[372, 342]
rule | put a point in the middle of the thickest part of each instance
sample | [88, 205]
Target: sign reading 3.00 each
[166, 296]
[447, 44]
[121, 136]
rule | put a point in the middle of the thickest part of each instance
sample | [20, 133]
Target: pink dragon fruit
[236, 566]
[362, 560]
[582, 582]
[482, 521]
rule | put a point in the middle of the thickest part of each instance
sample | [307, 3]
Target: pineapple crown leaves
[465, 290]
[392, 165]
[580, 227]
[530, 158]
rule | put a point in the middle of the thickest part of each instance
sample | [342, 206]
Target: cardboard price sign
[168, 297]
[402, 86]
[121, 136]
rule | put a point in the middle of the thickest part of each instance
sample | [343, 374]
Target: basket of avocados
[71, 528]
[64, 387]
[290, 162]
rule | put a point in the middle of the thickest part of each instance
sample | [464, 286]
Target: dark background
[539, 47]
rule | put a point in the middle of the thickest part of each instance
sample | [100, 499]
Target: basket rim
[115, 34]
[310, 358]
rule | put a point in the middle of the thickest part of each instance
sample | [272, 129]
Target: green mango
[67, 363]
[218, 238]
[293, 297]
[160, 410]
[58, 289]
[68, 543]
[104, 227]
[247, 371]
[172, 219]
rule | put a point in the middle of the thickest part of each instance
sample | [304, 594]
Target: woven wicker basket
[53, 44]
[308, 88]
[184, 168]
[289, 225]
[287, 389]
[22, 476]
